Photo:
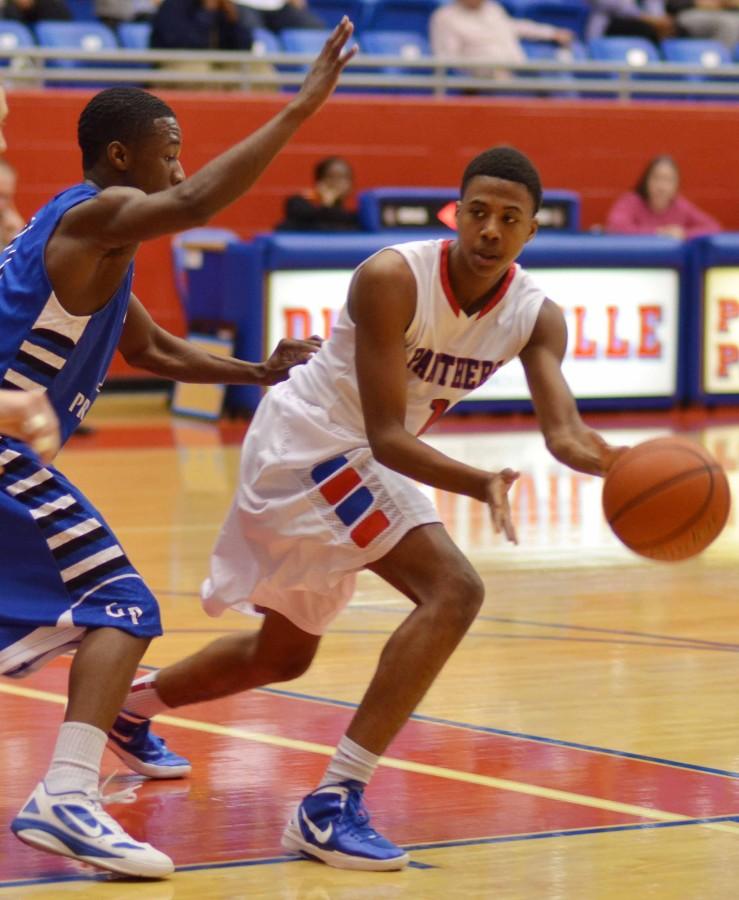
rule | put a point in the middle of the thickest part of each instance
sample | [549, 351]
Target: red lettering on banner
[728, 309]
[650, 346]
[616, 348]
[297, 323]
[728, 355]
[329, 317]
[584, 348]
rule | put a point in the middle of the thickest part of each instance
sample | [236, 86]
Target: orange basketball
[667, 498]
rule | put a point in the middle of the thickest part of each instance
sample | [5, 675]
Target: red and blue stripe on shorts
[341, 486]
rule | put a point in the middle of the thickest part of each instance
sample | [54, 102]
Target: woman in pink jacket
[656, 207]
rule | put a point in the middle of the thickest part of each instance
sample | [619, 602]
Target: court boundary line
[406, 765]
[519, 735]
[413, 848]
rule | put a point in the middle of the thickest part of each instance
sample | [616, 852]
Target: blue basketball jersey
[41, 344]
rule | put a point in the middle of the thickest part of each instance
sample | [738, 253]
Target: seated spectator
[199, 25]
[482, 29]
[114, 12]
[631, 18]
[11, 221]
[278, 14]
[31, 11]
[322, 208]
[655, 206]
[716, 20]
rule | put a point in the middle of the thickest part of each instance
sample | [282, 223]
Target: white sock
[75, 765]
[350, 763]
[143, 700]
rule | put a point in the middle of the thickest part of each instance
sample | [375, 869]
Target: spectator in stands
[115, 12]
[322, 208]
[275, 15]
[199, 25]
[717, 20]
[31, 11]
[655, 206]
[11, 221]
[482, 29]
[631, 18]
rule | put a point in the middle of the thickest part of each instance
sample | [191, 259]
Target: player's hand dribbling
[288, 353]
[324, 73]
[28, 416]
[497, 501]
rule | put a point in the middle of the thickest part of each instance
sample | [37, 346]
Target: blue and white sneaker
[74, 824]
[143, 752]
[332, 825]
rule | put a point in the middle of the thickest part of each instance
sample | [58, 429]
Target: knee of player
[289, 666]
[462, 594]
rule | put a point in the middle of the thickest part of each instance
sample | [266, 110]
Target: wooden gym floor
[582, 743]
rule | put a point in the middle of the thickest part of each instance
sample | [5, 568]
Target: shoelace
[356, 809]
[98, 799]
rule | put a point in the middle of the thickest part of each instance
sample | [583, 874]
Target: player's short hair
[641, 185]
[509, 164]
[122, 114]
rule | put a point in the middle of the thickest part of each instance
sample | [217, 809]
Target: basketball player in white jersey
[326, 487]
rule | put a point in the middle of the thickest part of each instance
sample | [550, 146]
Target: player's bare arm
[382, 302]
[567, 437]
[146, 345]
[120, 217]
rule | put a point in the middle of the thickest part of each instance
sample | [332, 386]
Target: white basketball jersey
[448, 353]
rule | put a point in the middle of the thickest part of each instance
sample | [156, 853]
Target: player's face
[495, 220]
[155, 160]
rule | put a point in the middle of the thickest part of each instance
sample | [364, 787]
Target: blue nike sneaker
[144, 752]
[332, 825]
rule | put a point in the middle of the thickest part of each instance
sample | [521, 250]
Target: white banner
[622, 323]
[721, 331]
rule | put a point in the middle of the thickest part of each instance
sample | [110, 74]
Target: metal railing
[232, 70]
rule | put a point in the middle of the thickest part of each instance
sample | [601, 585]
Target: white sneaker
[75, 824]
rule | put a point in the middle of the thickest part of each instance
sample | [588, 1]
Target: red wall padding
[597, 148]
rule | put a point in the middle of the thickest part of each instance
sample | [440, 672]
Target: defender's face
[495, 220]
[155, 159]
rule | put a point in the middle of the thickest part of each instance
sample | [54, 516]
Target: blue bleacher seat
[635, 51]
[304, 40]
[400, 15]
[548, 50]
[12, 35]
[134, 35]
[78, 35]
[405, 44]
[709, 54]
[265, 41]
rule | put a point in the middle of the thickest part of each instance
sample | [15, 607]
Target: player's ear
[534, 228]
[118, 156]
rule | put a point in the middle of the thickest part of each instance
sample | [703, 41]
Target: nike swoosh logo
[320, 834]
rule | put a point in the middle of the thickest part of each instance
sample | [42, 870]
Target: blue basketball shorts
[62, 570]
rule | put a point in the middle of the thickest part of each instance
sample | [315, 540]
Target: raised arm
[121, 216]
[147, 346]
[382, 301]
[567, 437]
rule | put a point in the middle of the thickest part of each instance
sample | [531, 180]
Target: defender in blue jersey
[65, 305]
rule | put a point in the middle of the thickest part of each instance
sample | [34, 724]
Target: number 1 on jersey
[438, 408]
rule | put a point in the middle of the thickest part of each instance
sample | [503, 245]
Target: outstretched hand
[497, 500]
[288, 353]
[324, 73]
[28, 416]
